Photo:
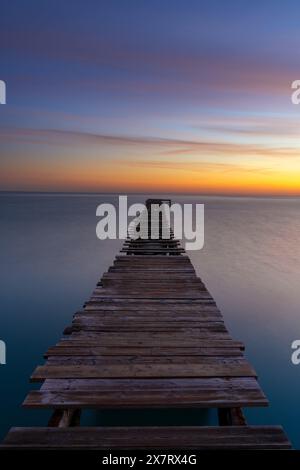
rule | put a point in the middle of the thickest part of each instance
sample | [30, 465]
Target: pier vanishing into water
[150, 337]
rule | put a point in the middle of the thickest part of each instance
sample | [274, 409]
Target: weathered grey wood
[107, 351]
[110, 438]
[147, 393]
[168, 318]
[150, 301]
[148, 250]
[153, 307]
[141, 340]
[188, 329]
[131, 276]
[83, 341]
[168, 284]
[114, 294]
[128, 360]
[149, 259]
[153, 269]
[207, 369]
[179, 327]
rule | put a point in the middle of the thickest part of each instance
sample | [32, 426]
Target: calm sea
[51, 260]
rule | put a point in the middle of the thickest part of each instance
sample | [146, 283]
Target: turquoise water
[51, 261]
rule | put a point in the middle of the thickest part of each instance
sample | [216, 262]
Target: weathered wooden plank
[148, 318]
[129, 302]
[146, 260]
[130, 274]
[128, 360]
[146, 276]
[127, 325]
[149, 310]
[149, 258]
[208, 330]
[148, 306]
[153, 301]
[140, 352]
[115, 295]
[147, 393]
[180, 269]
[154, 264]
[206, 369]
[191, 330]
[75, 341]
[167, 284]
[92, 339]
[117, 318]
[155, 288]
[149, 325]
[177, 269]
[152, 269]
[189, 321]
[148, 248]
[183, 437]
[146, 336]
[104, 317]
[176, 262]
[151, 243]
[140, 329]
[140, 292]
[153, 250]
[172, 262]
[245, 384]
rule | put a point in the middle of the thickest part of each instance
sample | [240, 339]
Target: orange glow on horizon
[122, 177]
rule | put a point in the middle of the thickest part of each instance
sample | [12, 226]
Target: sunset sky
[150, 96]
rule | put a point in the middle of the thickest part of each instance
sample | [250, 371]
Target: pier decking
[150, 336]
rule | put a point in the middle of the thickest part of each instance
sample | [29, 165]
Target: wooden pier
[150, 336]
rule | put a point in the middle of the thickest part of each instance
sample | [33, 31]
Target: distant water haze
[51, 260]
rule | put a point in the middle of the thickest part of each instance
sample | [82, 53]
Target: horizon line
[124, 193]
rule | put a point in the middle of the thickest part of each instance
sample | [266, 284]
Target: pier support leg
[231, 417]
[65, 418]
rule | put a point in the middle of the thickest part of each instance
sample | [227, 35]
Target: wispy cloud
[193, 70]
[162, 146]
[200, 167]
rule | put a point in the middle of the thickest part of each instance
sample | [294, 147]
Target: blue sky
[105, 94]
